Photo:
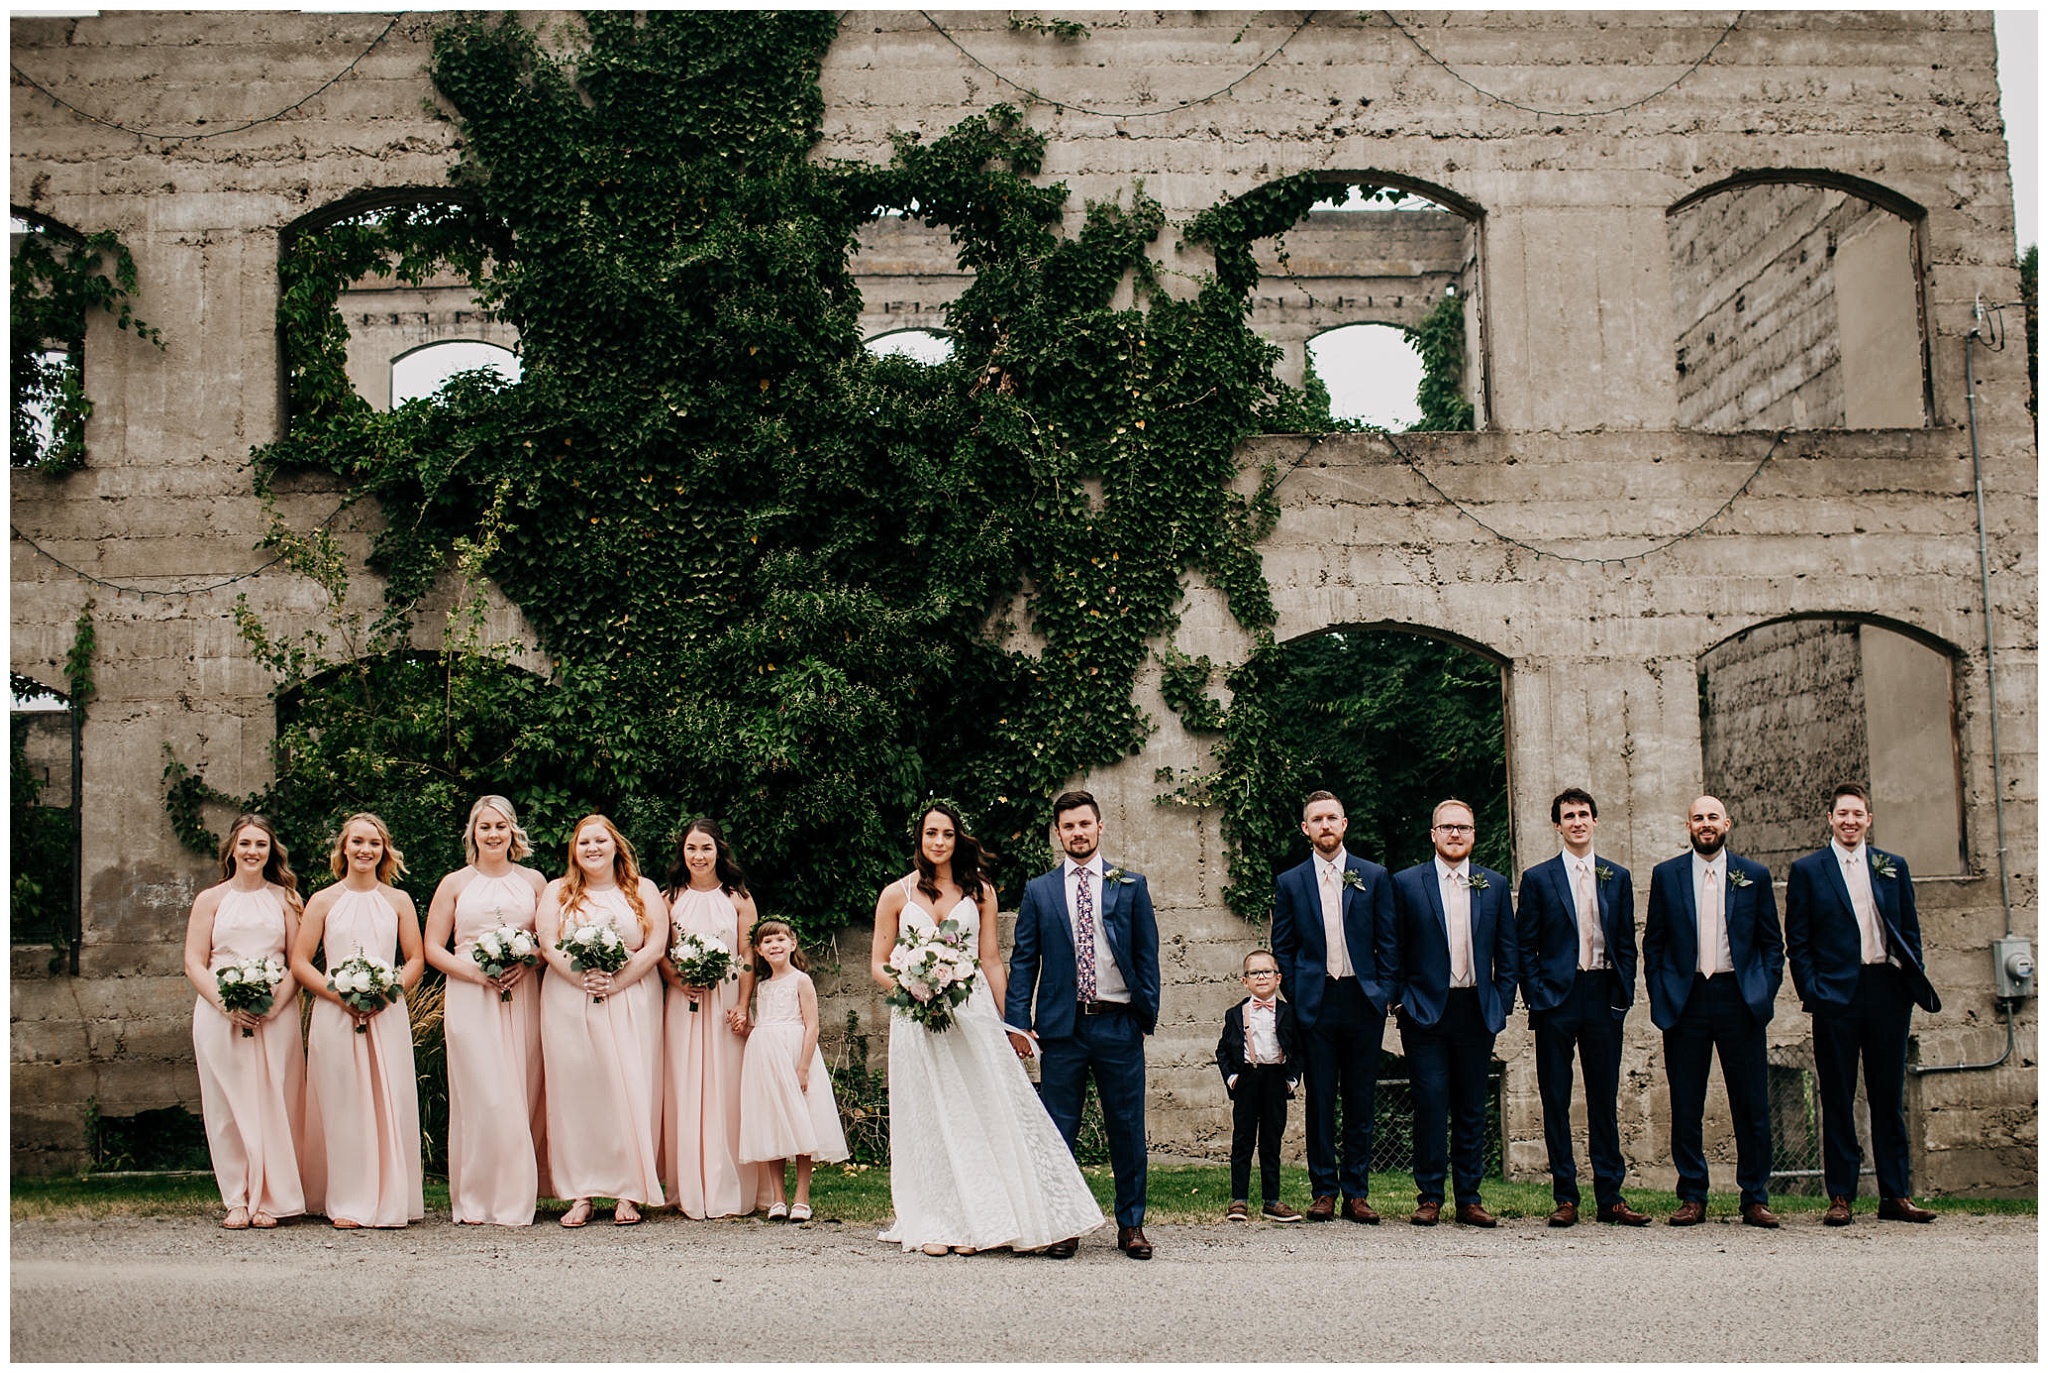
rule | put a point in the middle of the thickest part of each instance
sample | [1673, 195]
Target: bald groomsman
[1713, 960]
[1575, 925]
[1853, 935]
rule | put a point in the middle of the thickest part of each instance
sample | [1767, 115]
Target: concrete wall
[1584, 458]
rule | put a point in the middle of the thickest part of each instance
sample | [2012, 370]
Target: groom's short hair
[1315, 796]
[1074, 800]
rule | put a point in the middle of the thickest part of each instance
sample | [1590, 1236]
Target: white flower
[491, 946]
[230, 977]
[522, 943]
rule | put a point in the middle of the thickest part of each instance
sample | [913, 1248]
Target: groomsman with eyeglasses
[1575, 925]
[1852, 933]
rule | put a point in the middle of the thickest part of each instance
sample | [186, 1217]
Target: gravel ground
[1963, 1288]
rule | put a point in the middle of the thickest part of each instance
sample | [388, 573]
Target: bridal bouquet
[501, 950]
[250, 985]
[366, 984]
[701, 960]
[593, 949]
[934, 973]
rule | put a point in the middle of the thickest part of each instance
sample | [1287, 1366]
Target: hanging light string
[1564, 114]
[1043, 98]
[1408, 461]
[121, 589]
[148, 135]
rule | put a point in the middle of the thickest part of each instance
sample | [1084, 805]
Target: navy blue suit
[1446, 1036]
[1571, 1011]
[1858, 1011]
[1044, 996]
[1341, 1020]
[1726, 1015]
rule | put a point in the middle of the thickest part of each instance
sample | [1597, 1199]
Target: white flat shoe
[799, 1214]
[778, 1212]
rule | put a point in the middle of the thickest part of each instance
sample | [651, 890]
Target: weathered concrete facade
[1592, 443]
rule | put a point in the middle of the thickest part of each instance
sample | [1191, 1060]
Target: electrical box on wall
[2012, 966]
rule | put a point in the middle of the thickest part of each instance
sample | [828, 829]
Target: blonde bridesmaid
[600, 1033]
[361, 1162]
[252, 1069]
[700, 1114]
[497, 1119]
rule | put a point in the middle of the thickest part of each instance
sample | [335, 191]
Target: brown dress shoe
[1238, 1211]
[1688, 1213]
[1063, 1249]
[1323, 1208]
[1757, 1214]
[1620, 1213]
[1356, 1209]
[1565, 1216]
[1839, 1212]
[1131, 1239]
[1426, 1213]
[1279, 1210]
[1902, 1208]
[1472, 1213]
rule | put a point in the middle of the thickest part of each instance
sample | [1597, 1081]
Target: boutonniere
[1476, 881]
[1352, 880]
[1738, 878]
[1882, 865]
[1603, 872]
[1118, 876]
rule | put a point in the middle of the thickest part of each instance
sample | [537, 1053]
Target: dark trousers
[1258, 1115]
[1341, 1059]
[1874, 1026]
[1112, 1048]
[1447, 1064]
[1717, 1019]
[1583, 1022]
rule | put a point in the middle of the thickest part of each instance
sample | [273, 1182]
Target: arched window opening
[1373, 375]
[919, 345]
[908, 272]
[420, 374]
[1792, 707]
[42, 821]
[1798, 303]
[1386, 251]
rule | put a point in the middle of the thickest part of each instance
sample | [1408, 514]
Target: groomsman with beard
[1713, 960]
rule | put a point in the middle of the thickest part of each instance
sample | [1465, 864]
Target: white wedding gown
[974, 1160]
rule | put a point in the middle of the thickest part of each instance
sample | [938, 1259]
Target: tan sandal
[626, 1213]
[577, 1216]
[237, 1218]
[348, 1225]
[263, 1220]
[937, 1251]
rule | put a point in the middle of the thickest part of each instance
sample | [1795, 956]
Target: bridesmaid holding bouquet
[252, 1069]
[600, 1032]
[704, 1030]
[361, 1163]
[497, 1118]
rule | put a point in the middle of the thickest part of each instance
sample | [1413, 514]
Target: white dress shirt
[1456, 884]
[1710, 904]
[1262, 1032]
[1585, 882]
[1109, 979]
[1330, 888]
[1855, 866]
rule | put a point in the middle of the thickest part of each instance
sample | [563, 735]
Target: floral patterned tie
[1084, 934]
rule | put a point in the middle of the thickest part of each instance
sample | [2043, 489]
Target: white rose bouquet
[501, 950]
[934, 973]
[250, 985]
[701, 960]
[593, 949]
[366, 984]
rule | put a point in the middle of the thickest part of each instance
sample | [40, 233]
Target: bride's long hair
[575, 886]
[970, 860]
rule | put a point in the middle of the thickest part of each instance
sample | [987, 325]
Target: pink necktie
[1084, 934]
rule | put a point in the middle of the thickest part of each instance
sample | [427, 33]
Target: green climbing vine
[1440, 341]
[777, 579]
[55, 282]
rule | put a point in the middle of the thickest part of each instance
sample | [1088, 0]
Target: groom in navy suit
[1093, 1008]
[1713, 960]
[1457, 950]
[1333, 936]
[1575, 925]
[1852, 933]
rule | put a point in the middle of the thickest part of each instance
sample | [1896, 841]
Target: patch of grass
[858, 1194]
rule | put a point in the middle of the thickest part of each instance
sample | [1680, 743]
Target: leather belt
[1100, 1007]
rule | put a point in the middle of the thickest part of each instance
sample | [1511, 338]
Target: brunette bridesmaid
[497, 1120]
[600, 1033]
[252, 1069]
[700, 1150]
[361, 1163]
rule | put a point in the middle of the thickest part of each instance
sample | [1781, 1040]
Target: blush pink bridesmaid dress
[252, 1091]
[362, 1154]
[497, 1116]
[700, 1134]
[603, 1065]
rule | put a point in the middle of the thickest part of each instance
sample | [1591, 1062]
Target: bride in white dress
[974, 1161]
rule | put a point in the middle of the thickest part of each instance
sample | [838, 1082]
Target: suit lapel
[1885, 893]
[1434, 881]
[1057, 881]
[1838, 884]
[1113, 928]
[1690, 907]
[1311, 900]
